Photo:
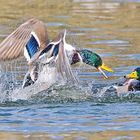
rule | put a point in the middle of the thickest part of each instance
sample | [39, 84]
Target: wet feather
[13, 46]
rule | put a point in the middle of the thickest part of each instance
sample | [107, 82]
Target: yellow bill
[100, 69]
[106, 68]
[132, 75]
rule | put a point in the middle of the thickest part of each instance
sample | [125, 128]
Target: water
[110, 28]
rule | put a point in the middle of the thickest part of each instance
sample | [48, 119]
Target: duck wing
[62, 62]
[13, 45]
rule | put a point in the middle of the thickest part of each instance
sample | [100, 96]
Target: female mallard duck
[15, 45]
[85, 56]
[31, 39]
[131, 83]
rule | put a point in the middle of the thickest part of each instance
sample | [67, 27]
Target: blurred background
[110, 28]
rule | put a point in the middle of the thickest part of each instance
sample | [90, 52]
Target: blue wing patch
[49, 47]
[32, 46]
[46, 49]
[55, 50]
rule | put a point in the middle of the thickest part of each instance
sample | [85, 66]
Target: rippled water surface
[110, 28]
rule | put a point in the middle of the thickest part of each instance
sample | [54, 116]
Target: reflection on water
[106, 135]
[110, 28]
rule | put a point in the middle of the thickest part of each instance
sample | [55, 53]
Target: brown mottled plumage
[13, 46]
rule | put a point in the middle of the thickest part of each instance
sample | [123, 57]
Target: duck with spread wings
[31, 40]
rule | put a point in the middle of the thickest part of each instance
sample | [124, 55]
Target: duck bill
[100, 69]
[106, 68]
[132, 75]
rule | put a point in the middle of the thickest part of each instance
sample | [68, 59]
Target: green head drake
[92, 59]
[134, 75]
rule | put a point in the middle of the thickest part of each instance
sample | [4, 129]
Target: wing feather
[63, 65]
[13, 46]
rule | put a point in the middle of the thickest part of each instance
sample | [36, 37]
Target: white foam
[47, 77]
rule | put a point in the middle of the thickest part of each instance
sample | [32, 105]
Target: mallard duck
[84, 56]
[16, 44]
[31, 40]
[131, 82]
[92, 59]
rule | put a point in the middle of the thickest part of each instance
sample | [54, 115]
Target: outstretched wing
[13, 46]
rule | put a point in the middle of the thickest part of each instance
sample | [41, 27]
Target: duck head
[135, 74]
[92, 59]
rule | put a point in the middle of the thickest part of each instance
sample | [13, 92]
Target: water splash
[54, 90]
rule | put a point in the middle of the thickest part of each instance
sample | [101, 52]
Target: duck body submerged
[131, 83]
